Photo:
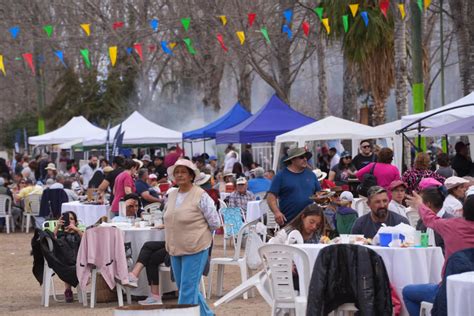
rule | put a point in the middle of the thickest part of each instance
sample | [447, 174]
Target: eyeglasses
[367, 146]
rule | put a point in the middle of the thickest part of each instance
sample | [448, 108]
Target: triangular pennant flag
[40, 59]
[251, 18]
[186, 22]
[86, 28]
[2, 66]
[286, 29]
[288, 14]
[401, 7]
[326, 25]
[189, 46]
[345, 22]
[420, 4]
[220, 38]
[173, 44]
[117, 25]
[60, 56]
[305, 26]
[319, 11]
[427, 3]
[28, 57]
[164, 47]
[14, 31]
[154, 24]
[241, 36]
[113, 55]
[384, 7]
[85, 55]
[265, 34]
[354, 7]
[138, 49]
[129, 50]
[223, 19]
[365, 17]
[151, 48]
[48, 29]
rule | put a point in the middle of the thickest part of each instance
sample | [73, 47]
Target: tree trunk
[212, 86]
[323, 87]
[245, 86]
[378, 112]
[349, 94]
[401, 69]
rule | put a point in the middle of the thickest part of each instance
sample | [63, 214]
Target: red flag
[220, 38]
[117, 25]
[151, 48]
[28, 57]
[384, 7]
[138, 48]
[251, 18]
[305, 26]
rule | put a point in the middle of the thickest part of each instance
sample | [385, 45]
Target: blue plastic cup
[385, 239]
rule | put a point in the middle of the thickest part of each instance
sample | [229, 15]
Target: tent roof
[388, 130]
[327, 129]
[444, 117]
[138, 131]
[274, 118]
[77, 128]
[463, 126]
[233, 117]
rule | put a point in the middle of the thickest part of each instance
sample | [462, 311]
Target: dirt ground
[20, 293]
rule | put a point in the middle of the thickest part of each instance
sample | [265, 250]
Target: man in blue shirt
[144, 191]
[259, 183]
[293, 186]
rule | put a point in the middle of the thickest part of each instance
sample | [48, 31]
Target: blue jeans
[413, 295]
[187, 272]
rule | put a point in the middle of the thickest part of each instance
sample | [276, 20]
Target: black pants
[152, 254]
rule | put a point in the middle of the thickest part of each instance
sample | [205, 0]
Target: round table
[404, 265]
[87, 214]
[460, 291]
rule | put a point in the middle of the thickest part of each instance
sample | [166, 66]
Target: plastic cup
[417, 237]
[424, 240]
[385, 239]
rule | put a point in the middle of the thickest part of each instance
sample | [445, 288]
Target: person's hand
[280, 218]
[60, 222]
[414, 200]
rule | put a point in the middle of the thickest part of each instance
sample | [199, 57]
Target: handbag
[368, 180]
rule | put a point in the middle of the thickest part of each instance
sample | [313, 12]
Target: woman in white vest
[189, 218]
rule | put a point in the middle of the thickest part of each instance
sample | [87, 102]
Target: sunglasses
[348, 157]
[367, 146]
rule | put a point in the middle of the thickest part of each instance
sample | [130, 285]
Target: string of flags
[167, 46]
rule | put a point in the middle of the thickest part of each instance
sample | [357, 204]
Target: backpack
[368, 180]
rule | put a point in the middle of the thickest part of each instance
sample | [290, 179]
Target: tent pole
[192, 148]
[446, 144]
[204, 146]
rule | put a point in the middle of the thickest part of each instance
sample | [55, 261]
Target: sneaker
[150, 300]
[68, 296]
[132, 280]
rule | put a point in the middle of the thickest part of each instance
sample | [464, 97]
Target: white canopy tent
[329, 128]
[77, 129]
[138, 131]
[460, 127]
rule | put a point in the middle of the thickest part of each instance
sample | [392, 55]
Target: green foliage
[28, 120]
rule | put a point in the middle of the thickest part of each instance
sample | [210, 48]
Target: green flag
[48, 29]
[319, 11]
[85, 55]
[345, 22]
[186, 22]
[420, 5]
[265, 34]
[189, 46]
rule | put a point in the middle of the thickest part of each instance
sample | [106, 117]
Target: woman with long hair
[341, 172]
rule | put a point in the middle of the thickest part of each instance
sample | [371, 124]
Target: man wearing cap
[369, 224]
[292, 186]
[461, 162]
[87, 171]
[457, 188]
[259, 183]
[398, 189]
[143, 189]
[146, 161]
[240, 197]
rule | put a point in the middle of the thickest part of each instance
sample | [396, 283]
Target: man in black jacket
[461, 162]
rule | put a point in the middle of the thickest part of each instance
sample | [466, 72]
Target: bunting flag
[87, 28]
[288, 14]
[138, 49]
[241, 36]
[223, 19]
[154, 24]
[151, 48]
[264, 32]
[345, 22]
[305, 26]
[189, 46]
[129, 50]
[365, 17]
[85, 55]
[401, 7]
[286, 29]
[220, 38]
[173, 44]
[113, 55]
[384, 7]
[28, 57]
[319, 11]
[117, 25]
[165, 48]
[60, 56]
[420, 4]
[251, 18]
[427, 4]
[14, 31]
[186, 22]
[326, 25]
[2, 66]
[48, 29]
[354, 8]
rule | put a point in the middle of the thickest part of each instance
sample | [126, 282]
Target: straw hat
[319, 174]
[108, 169]
[50, 166]
[139, 162]
[297, 152]
[182, 162]
[202, 178]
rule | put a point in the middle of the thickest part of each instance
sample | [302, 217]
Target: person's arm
[272, 203]
[360, 174]
[429, 218]
[150, 198]
[332, 175]
[209, 211]
[127, 190]
[103, 186]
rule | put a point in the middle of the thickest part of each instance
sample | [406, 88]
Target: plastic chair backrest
[244, 230]
[5, 205]
[156, 206]
[33, 204]
[222, 203]
[232, 218]
[260, 195]
[361, 206]
[122, 209]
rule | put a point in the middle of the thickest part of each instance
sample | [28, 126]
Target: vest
[186, 229]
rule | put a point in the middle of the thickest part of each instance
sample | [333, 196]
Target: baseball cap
[396, 184]
[241, 180]
[428, 182]
[152, 176]
[346, 196]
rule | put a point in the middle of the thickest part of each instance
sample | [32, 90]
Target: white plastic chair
[119, 287]
[260, 195]
[361, 206]
[150, 208]
[6, 212]
[229, 228]
[236, 260]
[271, 222]
[32, 209]
[412, 216]
[425, 308]
[278, 261]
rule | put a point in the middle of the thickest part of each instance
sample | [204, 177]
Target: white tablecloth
[87, 214]
[460, 294]
[404, 265]
[254, 211]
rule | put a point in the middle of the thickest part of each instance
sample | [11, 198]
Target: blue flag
[288, 14]
[166, 49]
[365, 17]
[154, 24]
[129, 50]
[286, 29]
[14, 31]
[60, 56]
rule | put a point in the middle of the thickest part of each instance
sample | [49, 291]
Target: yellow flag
[427, 3]
[401, 6]
[326, 25]
[223, 19]
[241, 36]
[2, 66]
[354, 8]
[172, 45]
[86, 28]
[113, 54]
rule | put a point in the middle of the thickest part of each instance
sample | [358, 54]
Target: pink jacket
[384, 172]
[102, 247]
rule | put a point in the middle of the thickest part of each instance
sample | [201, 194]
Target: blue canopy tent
[274, 118]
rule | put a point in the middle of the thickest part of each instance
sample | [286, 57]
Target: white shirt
[229, 164]
[86, 172]
[452, 206]
[335, 160]
[396, 207]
